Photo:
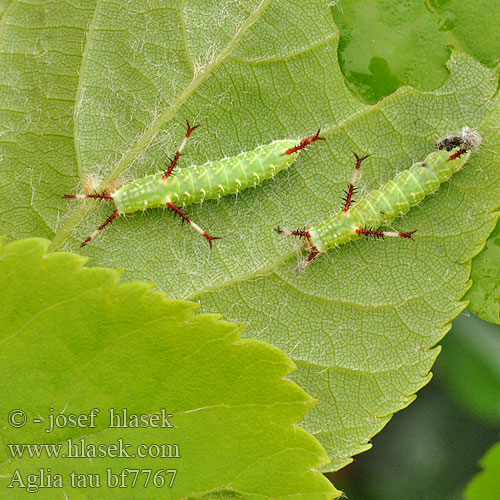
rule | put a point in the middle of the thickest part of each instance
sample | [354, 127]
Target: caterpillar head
[468, 139]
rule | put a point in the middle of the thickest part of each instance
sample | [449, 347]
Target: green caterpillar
[203, 182]
[393, 199]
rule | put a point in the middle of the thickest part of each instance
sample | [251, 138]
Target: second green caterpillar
[395, 198]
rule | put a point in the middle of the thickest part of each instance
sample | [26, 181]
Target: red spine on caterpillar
[304, 143]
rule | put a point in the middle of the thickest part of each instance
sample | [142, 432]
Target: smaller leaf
[474, 26]
[73, 339]
[486, 484]
[385, 45]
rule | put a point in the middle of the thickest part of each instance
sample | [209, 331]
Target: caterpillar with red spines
[197, 183]
[394, 199]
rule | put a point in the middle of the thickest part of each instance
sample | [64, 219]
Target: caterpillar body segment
[211, 180]
[195, 184]
[393, 199]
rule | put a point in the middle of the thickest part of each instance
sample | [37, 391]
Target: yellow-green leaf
[486, 484]
[73, 339]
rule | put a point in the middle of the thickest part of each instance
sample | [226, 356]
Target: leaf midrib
[80, 91]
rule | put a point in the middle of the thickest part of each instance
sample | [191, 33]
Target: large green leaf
[105, 91]
[73, 339]
[486, 485]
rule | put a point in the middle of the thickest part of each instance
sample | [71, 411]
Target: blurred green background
[430, 450]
